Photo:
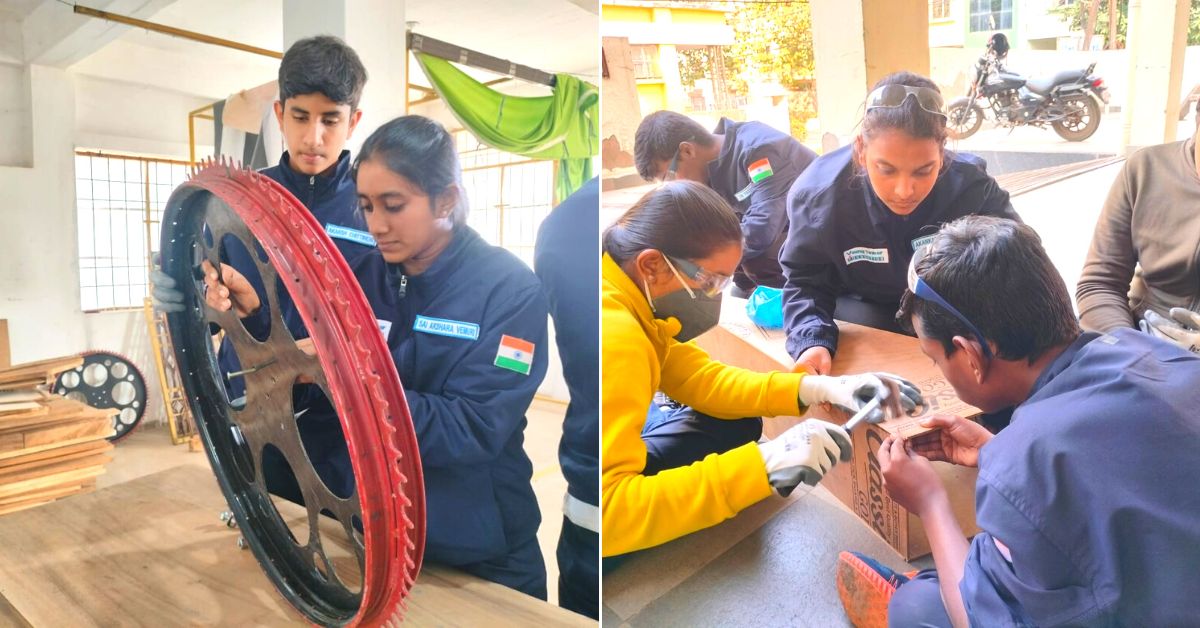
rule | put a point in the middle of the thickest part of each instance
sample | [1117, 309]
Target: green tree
[774, 41]
[694, 63]
[1076, 15]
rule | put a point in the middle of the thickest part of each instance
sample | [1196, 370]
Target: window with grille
[991, 15]
[119, 204]
[645, 62]
[509, 195]
[939, 9]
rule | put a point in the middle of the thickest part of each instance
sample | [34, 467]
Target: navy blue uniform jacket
[469, 414]
[1092, 488]
[333, 201]
[567, 262]
[762, 206]
[843, 239]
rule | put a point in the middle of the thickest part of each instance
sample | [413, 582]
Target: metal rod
[251, 369]
[96, 153]
[176, 32]
[472, 58]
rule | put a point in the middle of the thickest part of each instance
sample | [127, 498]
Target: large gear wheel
[385, 515]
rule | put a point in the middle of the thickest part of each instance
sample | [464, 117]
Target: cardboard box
[5, 356]
[859, 483]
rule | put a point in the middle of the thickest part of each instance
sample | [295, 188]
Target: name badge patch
[744, 193]
[445, 327]
[922, 241]
[350, 235]
[864, 254]
[384, 327]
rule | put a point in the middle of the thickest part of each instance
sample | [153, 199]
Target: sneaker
[865, 588]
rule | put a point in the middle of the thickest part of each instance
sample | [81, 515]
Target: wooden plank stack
[50, 446]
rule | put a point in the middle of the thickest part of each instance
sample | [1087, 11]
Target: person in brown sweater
[1143, 268]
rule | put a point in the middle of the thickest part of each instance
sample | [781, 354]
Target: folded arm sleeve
[1103, 288]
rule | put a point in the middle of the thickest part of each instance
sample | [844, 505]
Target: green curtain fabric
[563, 126]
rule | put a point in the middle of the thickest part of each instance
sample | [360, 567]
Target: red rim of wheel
[353, 366]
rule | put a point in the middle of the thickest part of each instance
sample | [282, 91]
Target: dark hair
[420, 150]
[996, 272]
[680, 218]
[658, 137]
[322, 65]
[908, 117]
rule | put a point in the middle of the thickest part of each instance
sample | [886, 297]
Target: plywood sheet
[153, 552]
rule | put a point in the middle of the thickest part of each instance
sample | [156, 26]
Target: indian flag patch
[760, 170]
[514, 354]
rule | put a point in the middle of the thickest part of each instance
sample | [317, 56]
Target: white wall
[39, 266]
[112, 115]
[16, 149]
[39, 269]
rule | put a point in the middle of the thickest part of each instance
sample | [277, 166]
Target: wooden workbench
[153, 552]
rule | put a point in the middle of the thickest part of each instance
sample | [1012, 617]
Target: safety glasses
[894, 96]
[921, 290]
[708, 282]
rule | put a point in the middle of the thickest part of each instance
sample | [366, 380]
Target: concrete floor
[148, 450]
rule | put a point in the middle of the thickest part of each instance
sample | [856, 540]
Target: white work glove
[804, 453]
[852, 392]
[163, 290]
[1183, 328]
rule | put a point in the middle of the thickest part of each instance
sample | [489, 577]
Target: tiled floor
[149, 450]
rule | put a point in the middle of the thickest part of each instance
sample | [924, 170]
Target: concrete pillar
[1156, 40]
[620, 112]
[375, 29]
[668, 64]
[857, 43]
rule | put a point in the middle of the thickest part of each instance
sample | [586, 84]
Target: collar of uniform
[448, 259]
[323, 183]
[618, 285]
[1063, 360]
[727, 158]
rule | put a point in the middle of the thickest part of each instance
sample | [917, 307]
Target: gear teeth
[274, 217]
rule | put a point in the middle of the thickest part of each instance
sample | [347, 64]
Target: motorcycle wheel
[963, 120]
[1081, 122]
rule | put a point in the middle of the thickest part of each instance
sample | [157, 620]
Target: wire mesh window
[509, 195]
[119, 203]
[939, 9]
[989, 15]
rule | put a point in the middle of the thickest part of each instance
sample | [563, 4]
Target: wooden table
[153, 552]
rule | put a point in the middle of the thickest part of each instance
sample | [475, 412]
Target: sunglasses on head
[889, 96]
[922, 290]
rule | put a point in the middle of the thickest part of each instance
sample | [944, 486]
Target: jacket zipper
[312, 189]
[403, 286]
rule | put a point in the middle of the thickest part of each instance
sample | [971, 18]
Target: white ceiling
[550, 35]
[18, 9]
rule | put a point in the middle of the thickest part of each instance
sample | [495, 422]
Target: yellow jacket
[641, 356]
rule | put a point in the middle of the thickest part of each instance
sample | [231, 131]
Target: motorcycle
[1068, 101]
